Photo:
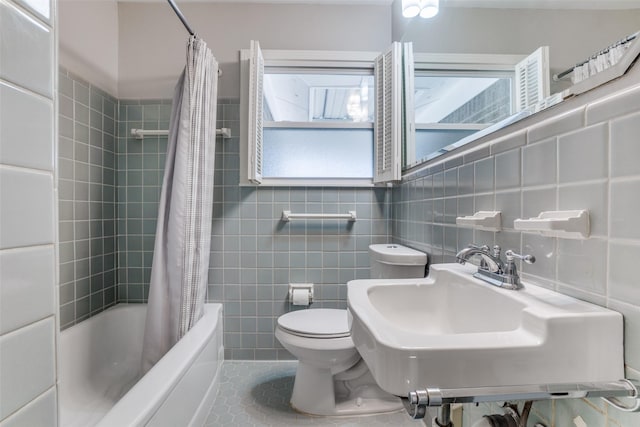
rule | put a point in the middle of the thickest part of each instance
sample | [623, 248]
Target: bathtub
[99, 372]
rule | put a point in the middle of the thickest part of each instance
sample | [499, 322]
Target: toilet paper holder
[308, 287]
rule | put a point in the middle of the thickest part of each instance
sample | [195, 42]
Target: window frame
[309, 61]
[459, 64]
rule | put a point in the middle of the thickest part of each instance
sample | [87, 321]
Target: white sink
[450, 330]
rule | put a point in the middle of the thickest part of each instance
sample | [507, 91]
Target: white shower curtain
[183, 234]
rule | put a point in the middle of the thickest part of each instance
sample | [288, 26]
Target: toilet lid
[316, 323]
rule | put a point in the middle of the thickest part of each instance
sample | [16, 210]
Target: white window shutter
[388, 123]
[532, 79]
[408, 109]
[256, 100]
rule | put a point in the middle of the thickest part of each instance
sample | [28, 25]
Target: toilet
[332, 379]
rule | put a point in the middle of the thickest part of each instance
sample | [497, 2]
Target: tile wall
[28, 268]
[587, 158]
[87, 198]
[253, 254]
[140, 167]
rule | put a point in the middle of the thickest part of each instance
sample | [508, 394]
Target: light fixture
[429, 8]
[424, 8]
[410, 8]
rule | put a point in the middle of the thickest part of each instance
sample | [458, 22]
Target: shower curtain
[183, 234]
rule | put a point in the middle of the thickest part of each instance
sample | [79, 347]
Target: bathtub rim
[135, 407]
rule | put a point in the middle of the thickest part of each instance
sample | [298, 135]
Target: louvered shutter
[408, 109]
[532, 79]
[388, 125]
[256, 100]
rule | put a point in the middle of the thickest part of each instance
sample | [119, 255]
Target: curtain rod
[181, 16]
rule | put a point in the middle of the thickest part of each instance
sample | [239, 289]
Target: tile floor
[257, 394]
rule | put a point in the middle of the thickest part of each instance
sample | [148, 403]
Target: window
[455, 96]
[320, 118]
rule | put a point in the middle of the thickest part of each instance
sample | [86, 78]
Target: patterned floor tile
[257, 394]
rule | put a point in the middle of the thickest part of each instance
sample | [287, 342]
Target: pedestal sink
[450, 330]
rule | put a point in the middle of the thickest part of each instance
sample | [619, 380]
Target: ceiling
[507, 4]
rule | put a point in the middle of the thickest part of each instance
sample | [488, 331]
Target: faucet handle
[529, 259]
[496, 251]
[483, 248]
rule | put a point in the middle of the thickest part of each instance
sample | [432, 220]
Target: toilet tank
[391, 261]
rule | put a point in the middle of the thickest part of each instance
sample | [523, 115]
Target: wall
[28, 284]
[254, 256]
[572, 35]
[584, 158]
[87, 198]
[89, 41]
[152, 39]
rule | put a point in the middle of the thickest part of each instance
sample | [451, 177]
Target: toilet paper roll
[300, 297]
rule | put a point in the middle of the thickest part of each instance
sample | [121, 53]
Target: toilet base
[317, 391]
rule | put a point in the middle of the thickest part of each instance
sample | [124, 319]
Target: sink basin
[450, 330]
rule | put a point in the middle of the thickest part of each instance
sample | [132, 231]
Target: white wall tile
[612, 107]
[27, 129]
[623, 277]
[27, 283]
[484, 202]
[625, 206]
[450, 239]
[581, 294]
[508, 170]
[438, 184]
[484, 175]
[41, 412]
[536, 201]
[557, 125]
[27, 208]
[539, 163]
[26, 51]
[450, 210]
[451, 182]
[465, 206]
[584, 155]
[583, 264]
[594, 197]
[465, 179]
[625, 146]
[509, 204]
[27, 365]
[465, 237]
[544, 249]
[509, 142]
[509, 240]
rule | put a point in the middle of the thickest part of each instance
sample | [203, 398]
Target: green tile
[134, 260]
[134, 226]
[134, 178]
[81, 133]
[81, 93]
[136, 292]
[96, 302]
[96, 283]
[134, 113]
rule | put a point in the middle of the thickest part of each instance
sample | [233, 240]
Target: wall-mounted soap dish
[567, 224]
[482, 220]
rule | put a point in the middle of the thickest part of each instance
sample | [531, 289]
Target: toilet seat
[321, 323]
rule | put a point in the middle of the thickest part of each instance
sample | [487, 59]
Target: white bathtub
[99, 366]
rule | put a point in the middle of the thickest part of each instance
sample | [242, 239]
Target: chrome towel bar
[287, 216]
[141, 133]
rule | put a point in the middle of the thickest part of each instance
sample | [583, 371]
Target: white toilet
[331, 378]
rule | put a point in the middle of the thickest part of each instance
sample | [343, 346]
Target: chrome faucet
[491, 268]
